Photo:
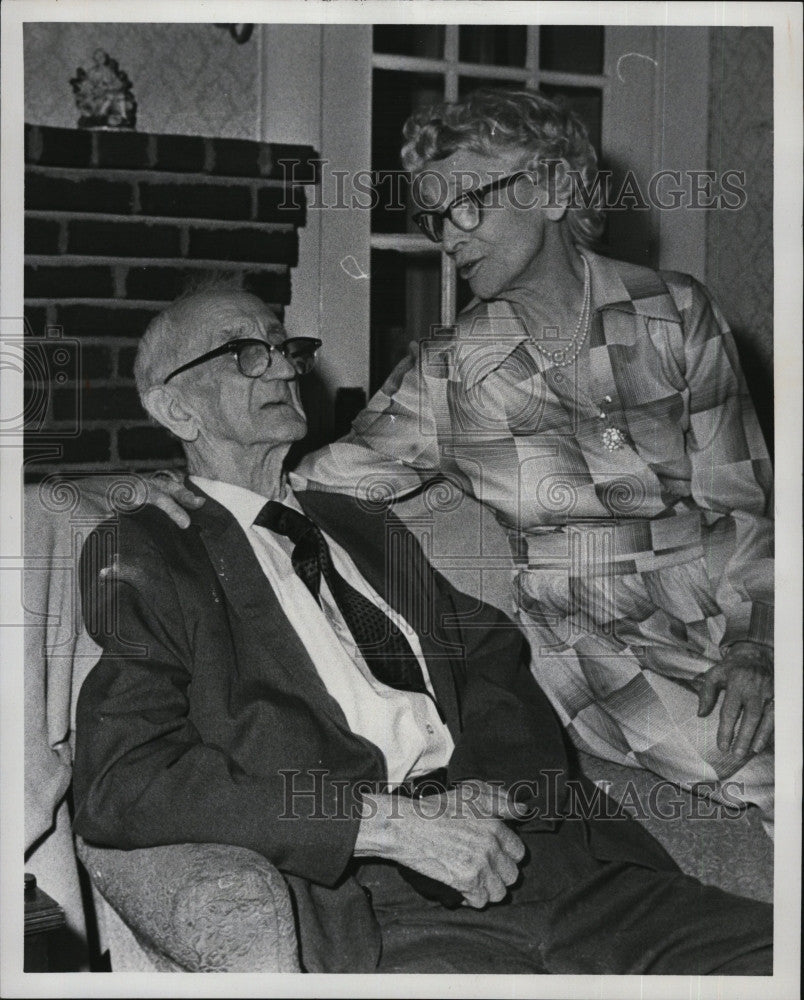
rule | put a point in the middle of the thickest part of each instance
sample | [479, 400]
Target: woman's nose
[452, 237]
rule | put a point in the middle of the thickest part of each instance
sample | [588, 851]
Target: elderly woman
[599, 409]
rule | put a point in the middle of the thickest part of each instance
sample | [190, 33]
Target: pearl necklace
[611, 436]
[559, 356]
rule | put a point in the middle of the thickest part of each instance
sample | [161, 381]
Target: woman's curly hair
[490, 121]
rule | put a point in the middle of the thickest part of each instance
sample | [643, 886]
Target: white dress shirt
[405, 725]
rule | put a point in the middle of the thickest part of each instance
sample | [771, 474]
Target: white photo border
[786, 20]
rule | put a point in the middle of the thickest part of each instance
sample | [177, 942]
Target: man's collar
[243, 504]
[227, 498]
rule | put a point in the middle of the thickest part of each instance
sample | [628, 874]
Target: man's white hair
[163, 345]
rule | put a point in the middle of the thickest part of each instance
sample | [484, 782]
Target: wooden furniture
[43, 917]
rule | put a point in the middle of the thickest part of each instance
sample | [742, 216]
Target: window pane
[396, 96]
[571, 49]
[466, 84]
[493, 45]
[405, 305]
[586, 102]
[423, 40]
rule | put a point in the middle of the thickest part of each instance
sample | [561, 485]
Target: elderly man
[376, 735]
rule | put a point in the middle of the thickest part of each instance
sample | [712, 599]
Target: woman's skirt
[622, 635]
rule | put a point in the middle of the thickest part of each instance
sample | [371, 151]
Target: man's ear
[167, 407]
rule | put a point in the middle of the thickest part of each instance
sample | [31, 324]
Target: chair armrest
[205, 907]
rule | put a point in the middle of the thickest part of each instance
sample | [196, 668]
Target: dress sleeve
[731, 471]
[393, 447]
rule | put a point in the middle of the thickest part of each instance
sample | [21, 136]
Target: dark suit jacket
[204, 714]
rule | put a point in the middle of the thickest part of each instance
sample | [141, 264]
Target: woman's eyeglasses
[466, 211]
[254, 356]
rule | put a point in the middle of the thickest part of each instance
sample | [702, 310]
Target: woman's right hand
[166, 490]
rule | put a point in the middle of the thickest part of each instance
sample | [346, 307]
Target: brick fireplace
[115, 225]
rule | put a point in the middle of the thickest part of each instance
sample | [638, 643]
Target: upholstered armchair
[191, 907]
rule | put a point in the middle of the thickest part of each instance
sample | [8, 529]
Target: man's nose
[279, 367]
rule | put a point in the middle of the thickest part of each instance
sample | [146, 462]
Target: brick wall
[115, 224]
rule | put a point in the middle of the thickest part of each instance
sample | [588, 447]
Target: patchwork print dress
[635, 487]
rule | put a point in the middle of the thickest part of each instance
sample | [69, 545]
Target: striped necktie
[384, 647]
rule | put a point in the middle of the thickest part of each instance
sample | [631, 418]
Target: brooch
[612, 437]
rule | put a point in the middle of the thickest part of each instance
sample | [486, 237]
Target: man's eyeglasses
[254, 356]
[466, 211]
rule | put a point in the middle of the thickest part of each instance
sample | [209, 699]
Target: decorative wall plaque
[103, 95]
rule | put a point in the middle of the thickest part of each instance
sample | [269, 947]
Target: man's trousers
[570, 913]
